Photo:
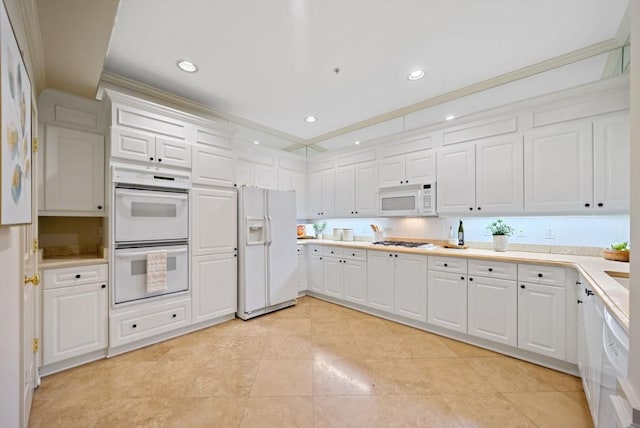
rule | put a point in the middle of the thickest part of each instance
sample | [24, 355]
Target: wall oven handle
[156, 195]
[142, 253]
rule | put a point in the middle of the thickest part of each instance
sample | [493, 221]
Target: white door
[315, 279]
[173, 153]
[410, 298]
[392, 171]
[345, 195]
[128, 144]
[212, 166]
[380, 280]
[421, 167]
[265, 176]
[333, 282]
[214, 221]
[74, 170]
[493, 309]
[355, 281]
[214, 286]
[281, 248]
[611, 164]
[447, 300]
[558, 168]
[366, 197]
[327, 181]
[74, 321]
[499, 175]
[541, 319]
[456, 180]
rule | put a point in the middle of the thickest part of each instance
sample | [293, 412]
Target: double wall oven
[151, 212]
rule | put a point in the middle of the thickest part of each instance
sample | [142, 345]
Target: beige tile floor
[313, 365]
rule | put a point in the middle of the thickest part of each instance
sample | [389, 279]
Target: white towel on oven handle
[156, 271]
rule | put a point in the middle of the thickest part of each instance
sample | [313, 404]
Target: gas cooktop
[407, 244]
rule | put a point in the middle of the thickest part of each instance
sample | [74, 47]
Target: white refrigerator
[266, 250]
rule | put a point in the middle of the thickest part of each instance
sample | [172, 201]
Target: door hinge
[35, 145]
[34, 245]
[36, 344]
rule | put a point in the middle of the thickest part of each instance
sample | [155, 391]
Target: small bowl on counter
[616, 255]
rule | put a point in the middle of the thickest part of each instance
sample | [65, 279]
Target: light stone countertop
[71, 261]
[613, 294]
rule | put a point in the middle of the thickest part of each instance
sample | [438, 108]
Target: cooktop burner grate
[407, 244]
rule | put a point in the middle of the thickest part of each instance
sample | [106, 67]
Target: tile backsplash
[59, 236]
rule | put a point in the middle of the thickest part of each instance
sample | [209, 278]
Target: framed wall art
[15, 125]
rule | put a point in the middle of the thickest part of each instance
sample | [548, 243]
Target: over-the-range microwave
[407, 200]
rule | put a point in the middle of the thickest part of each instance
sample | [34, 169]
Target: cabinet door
[244, 173]
[392, 171]
[214, 221]
[410, 291]
[314, 200]
[355, 281]
[380, 278]
[420, 167]
[456, 180]
[265, 176]
[212, 166]
[541, 319]
[500, 175]
[214, 286]
[301, 273]
[366, 189]
[493, 309]
[333, 284]
[611, 143]
[299, 183]
[558, 169]
[74, 170]
[173, 153]
[74, 321]
[315, 270]
[128, 144]
[285, 179]
[345, 194]
[447, 300]
[328, 193]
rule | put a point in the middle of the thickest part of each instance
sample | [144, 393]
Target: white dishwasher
[615, 363]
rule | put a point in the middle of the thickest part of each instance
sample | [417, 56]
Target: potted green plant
[319, 228]
[501, 232]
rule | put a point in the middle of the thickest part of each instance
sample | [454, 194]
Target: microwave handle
[142, 253]
[156, 195]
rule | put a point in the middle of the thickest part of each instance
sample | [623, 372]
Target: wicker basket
[617, 255]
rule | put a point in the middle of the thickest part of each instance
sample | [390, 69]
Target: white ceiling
[271, 62]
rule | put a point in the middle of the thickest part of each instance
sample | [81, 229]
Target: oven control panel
[171, 180]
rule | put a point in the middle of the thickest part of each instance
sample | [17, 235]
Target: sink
[621, 277]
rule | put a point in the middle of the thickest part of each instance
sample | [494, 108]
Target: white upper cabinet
[412, 168]
[611, 164]
[356, 190]
[558, 168]
[456, 180]
[74, 171]
[366, 189]
[345, 194]
[138, 146]
[256, 174]
[296, 181]
[499, 175]
[173, 153]
[321, 194]
[212, 166]
[211, 209]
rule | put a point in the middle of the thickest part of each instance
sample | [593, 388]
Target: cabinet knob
[462, 278]
[159, 160]
[353, 254]
[320, 258]
[352, 212]
[390, 255]
[150, 158]
[332, 252]
[103, 286]
[521, 285]
[470, 279]
[99, 207]
[135, 325]
[236, 249]
[587, 205]
[396, 255]
[401, 181]
[446, 264]
[579, 301]
[78, 276]
[173, 316]
[356, 212]
[470, 208]
[235, 184]
[600, 204]
[479, 208]
[235, 255]
[540, 275]
[490, 269]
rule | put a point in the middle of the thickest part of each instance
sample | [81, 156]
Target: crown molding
[29, 11]
[108, 78]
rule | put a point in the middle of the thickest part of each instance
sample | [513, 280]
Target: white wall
[582, 231]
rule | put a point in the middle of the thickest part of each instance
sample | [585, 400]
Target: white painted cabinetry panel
[456, 180]
[129, 144]
[499, 175]
[611, 165]
[355, 281]
[315, 269]
[493, 309]
[214, 280]
[212, 166]
[173, 153]
[542, 319]
[214, 218]
[447, 300]
[333, 281]
[345, 195]
[410, 286]
[380, 280]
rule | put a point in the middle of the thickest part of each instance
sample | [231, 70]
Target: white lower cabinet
[380, 280]
[315, 269]
[214, 286]
[542, 319]
[301, 269]
[410, 286]
[355, 281]
[447, 300]
[493, 309]
[333, 282]
[74, 321]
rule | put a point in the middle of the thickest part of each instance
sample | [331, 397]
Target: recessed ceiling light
[356, 143]
[187, 66]
[416, 74]
[256, 142]
[450, 117]
[310, 119]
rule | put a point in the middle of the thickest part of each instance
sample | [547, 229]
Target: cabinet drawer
[301, 249]
[333, 251]
[136, 325]
[491, 269]
[540, 274]
[446, 264]
[314, 250]
[65, 277]
[354, 254]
